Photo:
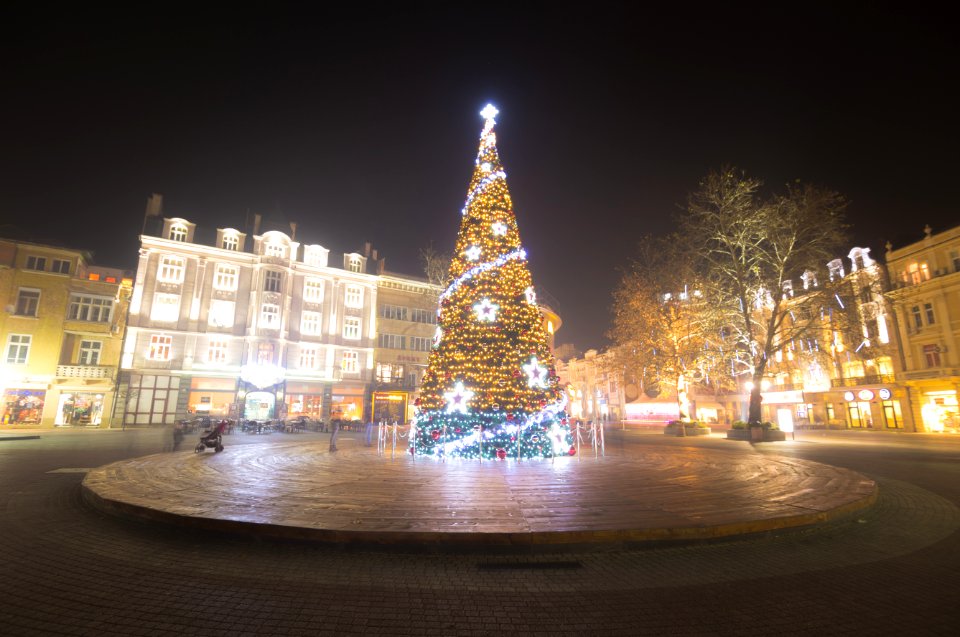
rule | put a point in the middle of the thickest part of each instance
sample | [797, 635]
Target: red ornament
[435, 434]
[501, 453]
[457, 430]
[573, 451]
[509, 416]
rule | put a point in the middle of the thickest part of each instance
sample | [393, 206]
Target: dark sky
[362, 125]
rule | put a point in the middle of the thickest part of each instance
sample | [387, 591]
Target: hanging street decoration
[490, 389]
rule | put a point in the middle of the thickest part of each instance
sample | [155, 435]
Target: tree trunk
[754, 415]
[683, 402]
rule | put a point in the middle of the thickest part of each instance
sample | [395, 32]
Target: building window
[312, 255]
[389, 373]
[392, 341]
[351, 362]
[90, 308]
[354, 263]
[420, 343]
[27, 302]
[423, 316]
[61, 267]
[955, 259]
[313, 291]
[226, 277]
[928, 310]
[37, 263]
[270, 316]
[831, 415]
[231, 242]
[274, 249]
[170, 269]
[351, 327]
[310, 323]
[166, 307]
[265, 353]
[90, 352]
[18, 349]
[272, 281]
[217, 351]
[354, 296]
[932, 354]
[917, 317]
[308, 358]
[221, 313]
[178, 232]
[160, 347]
[394, 312]
[918, 273]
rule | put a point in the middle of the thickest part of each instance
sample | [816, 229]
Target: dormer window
[836, 269]
[354, 263]
[274, 250]
[788, 289]
[178, 232]
[231, 242]
[809, 279]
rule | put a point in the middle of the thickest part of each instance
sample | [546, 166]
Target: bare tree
[749, 252]
[436, 264]
[660, 326]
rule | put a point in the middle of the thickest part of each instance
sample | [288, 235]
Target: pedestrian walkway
[646, 494]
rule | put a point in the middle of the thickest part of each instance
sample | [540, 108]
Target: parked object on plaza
[212, 439]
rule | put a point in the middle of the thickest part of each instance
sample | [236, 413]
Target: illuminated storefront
[214, 397]
[23, 406]
[389, 406]
[940, 411]
[79, 408]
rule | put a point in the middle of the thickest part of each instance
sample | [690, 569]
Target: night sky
[363, 126]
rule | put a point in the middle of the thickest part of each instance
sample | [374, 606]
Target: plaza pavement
[297, 489]
[68, 569]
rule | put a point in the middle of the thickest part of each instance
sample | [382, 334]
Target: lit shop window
[95, 309]
[313, 291]
[308, 358]
[351, 327]
[310, 323]
[270, 316]
[351, 362]
[354, 296]
[225, 277]
[27, 302]
[221, 313]
[170, 269]
[231, 242]
[160, 347]
[90, 352]
[217, 351]
[272, 281]
[178, 232]
[18, 349]
[165, 308]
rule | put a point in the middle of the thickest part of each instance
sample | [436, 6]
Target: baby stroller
[212, 439]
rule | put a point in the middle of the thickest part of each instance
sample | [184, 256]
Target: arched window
[178, 232]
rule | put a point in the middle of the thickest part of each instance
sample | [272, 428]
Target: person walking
[368, 433]
[177, 435]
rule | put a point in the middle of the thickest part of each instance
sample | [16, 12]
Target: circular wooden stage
[297, 490]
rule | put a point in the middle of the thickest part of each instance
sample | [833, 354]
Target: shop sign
[884, 394]
[783, 397]
[849, 396]
[865, 394]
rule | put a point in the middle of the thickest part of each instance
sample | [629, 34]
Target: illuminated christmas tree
[490, 389]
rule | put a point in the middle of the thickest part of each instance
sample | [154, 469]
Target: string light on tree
[489, 333]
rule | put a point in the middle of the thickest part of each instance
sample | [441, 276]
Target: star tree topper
[536, 374]
[457, 399]
[486, 311]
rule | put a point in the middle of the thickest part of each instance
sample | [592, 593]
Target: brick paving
[67, 569]
[297, 489]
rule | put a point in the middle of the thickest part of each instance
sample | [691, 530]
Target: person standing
[368, 433]
[334, 430]
[177, 435]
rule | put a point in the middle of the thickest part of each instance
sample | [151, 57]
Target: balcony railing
[84, 371]
[873, 379]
